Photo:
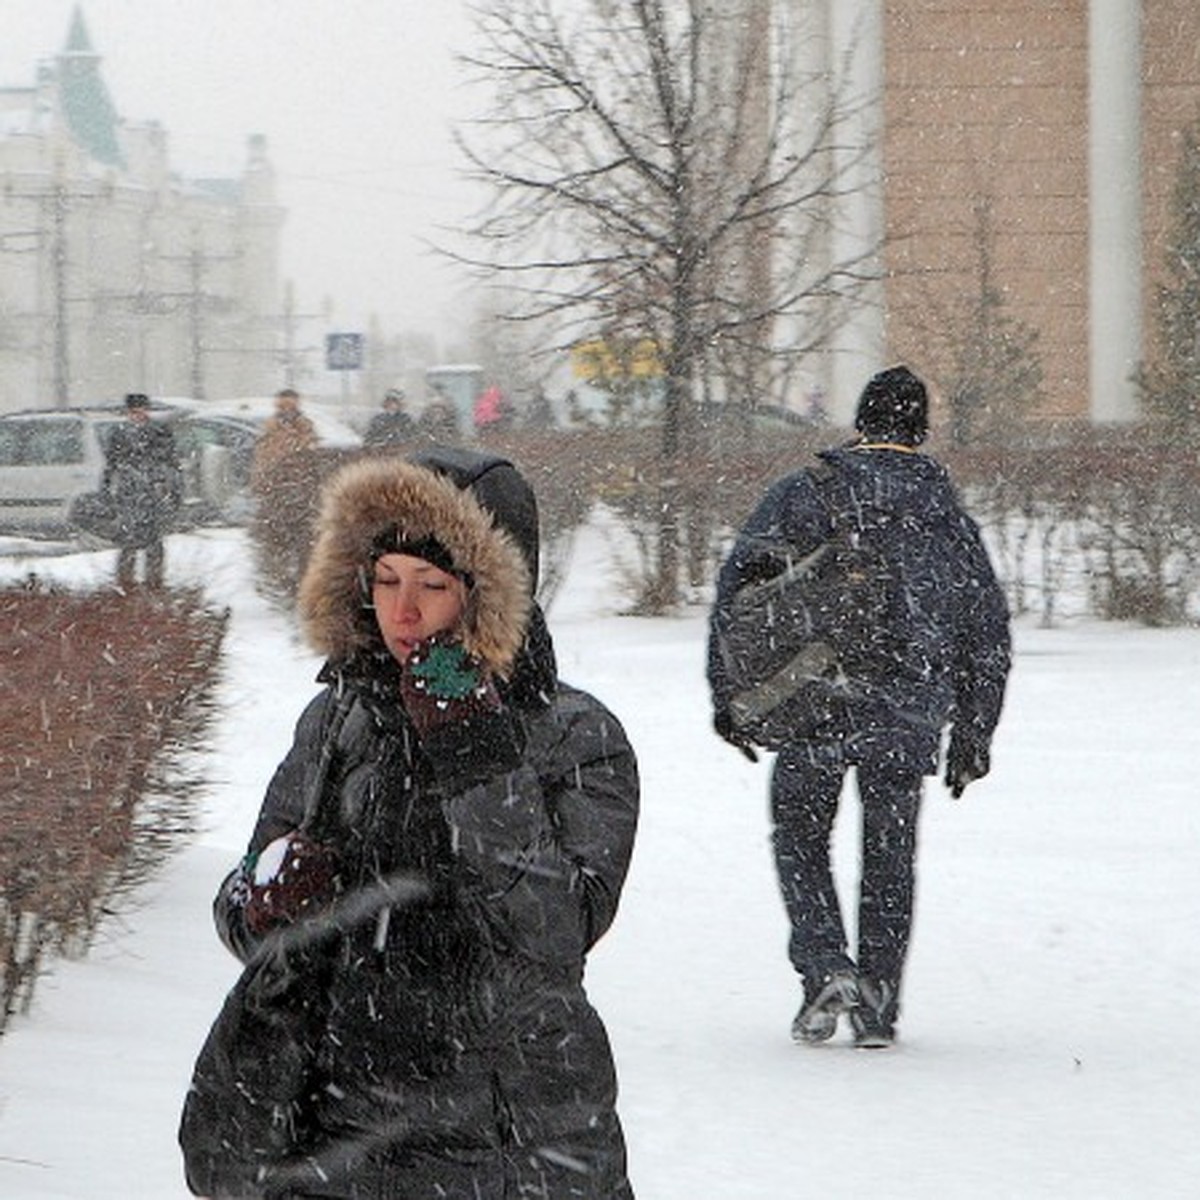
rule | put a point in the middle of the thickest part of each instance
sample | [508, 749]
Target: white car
[49, 457]
[332, 431]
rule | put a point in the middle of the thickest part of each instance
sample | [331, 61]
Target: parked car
[49, 457]
[333, 432]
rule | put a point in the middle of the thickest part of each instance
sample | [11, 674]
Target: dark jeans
[805, 789]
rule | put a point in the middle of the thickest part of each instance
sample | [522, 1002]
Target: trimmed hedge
[103, 694]
[1102, 521]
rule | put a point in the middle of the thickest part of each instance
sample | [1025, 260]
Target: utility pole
[291, 319]
[196, 300]
[195, 272]
[54, 204]
[62, 358]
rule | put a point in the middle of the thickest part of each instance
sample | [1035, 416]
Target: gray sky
[355, 98]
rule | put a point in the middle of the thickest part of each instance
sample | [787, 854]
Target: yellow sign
[600, 361]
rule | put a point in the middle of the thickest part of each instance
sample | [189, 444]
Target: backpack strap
[885, 446]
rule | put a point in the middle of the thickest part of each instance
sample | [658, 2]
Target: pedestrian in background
[284, 481]
[492, 413]
[144, 481]
[941, 655]
[286, 438]
[391, 426]
[439, 421]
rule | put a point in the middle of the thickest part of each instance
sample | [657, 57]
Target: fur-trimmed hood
[364, 500]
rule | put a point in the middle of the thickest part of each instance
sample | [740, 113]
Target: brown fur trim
[365, 498]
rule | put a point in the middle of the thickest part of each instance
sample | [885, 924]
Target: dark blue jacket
[949, 635]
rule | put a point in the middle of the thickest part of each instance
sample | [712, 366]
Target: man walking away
[938, 655]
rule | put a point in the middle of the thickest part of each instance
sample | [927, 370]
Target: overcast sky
[355, 98]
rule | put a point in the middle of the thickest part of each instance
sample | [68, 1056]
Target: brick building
[1063, 119]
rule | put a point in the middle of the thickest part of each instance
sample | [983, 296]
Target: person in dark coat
[391, 426]
[461, 1057]
[438, 422]
[944, 661]
[144, 479]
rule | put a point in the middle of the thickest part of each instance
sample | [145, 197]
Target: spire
[90, 113]
[78, 41]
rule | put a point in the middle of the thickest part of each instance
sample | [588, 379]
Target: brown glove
[292, 877]
[443, 684]
[466, 731]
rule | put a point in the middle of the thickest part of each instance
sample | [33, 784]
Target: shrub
[103, 694]
[1113, 514]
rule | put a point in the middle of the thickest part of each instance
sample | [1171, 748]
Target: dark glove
[466, 731]
[723, 724]
[966, 761]
[292, 877]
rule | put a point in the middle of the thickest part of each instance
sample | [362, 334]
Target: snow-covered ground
[1051, 1037]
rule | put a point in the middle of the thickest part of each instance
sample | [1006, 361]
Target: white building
[117, 275]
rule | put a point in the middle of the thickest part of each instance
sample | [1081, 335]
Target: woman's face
[414, 600]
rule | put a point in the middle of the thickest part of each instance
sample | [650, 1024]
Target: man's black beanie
[894, 407]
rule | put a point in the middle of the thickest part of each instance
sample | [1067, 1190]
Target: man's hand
[723, 724]
[966, 761]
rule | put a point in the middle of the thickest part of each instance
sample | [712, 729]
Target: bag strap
[318, 807]
[836, 493]
[825, 479]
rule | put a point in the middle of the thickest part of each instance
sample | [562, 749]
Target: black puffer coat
[949, 637]
[462, 1058]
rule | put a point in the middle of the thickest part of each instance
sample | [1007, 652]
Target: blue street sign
[343, 351]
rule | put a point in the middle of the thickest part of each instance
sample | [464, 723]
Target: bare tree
[996, 367]
[661, 170]
[1170, 383]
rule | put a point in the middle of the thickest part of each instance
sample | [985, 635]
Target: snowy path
[1050, 1041]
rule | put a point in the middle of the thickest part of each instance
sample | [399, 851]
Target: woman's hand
[292, 877]
[466, 731]
[443, 684]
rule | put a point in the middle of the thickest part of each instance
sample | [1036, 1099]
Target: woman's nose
[404, 604]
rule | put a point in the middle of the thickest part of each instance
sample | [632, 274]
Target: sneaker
[871, 1020]
[824, 1001]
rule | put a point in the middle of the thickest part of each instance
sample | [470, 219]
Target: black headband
[394, 540]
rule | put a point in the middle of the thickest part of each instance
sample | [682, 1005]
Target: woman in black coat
[483, 823]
